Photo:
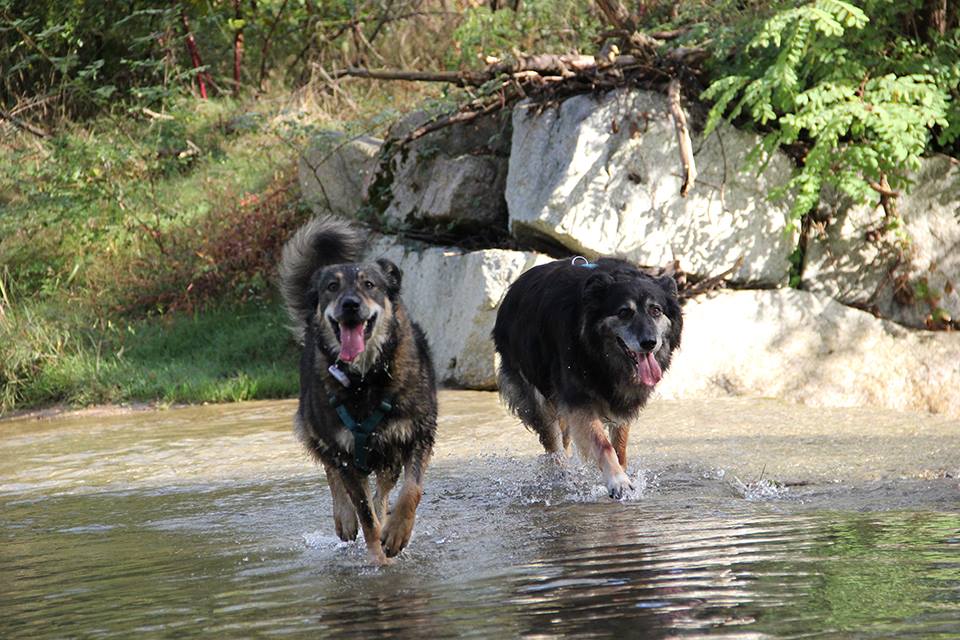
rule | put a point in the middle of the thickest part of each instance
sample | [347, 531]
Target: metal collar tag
[340, 376]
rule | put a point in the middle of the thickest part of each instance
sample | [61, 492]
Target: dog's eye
[655, 311]
[369, 285]
[625, 314]
[333, 286]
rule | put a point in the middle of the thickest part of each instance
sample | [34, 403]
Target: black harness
[361, 430]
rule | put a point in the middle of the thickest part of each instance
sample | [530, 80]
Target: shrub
[863, 99]
[226, 255]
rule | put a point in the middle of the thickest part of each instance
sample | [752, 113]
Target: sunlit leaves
[820, 75]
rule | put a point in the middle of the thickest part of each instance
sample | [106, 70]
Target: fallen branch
[683, 137]
[25, 126]
[156, 116]
[546, 66]
[710, 283]
[452, 77]
[883, 188]
[459, 117]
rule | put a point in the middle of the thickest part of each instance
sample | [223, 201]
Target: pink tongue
[351, 342]
[649, 369]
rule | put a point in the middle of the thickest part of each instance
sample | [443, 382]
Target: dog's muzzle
[646, 369]
[352, 332]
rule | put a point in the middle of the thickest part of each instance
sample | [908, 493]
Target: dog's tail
[322, 241]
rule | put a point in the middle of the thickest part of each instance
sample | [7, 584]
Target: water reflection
[162, 526]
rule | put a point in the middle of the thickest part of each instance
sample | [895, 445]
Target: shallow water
[752, 518]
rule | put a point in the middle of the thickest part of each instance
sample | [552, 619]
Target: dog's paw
[378, 559]
[396, 534]
[619, 486]
[345, 522]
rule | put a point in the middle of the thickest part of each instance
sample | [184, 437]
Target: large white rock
[454, 296]
[465, 190]
[813, 350]
[603, 176]
[333, 172]
[911, 280]
[454, 177]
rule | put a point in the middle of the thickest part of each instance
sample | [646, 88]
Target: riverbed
[751, 518]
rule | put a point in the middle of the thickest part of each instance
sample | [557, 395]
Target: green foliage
[864, 100]
[117, 189]
[555, 26]
[230, 254]
[83, 56]
[225, 355]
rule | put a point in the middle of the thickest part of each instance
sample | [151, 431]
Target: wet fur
[395, 364]
[562, 371]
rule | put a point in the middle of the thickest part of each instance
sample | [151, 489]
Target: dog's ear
[676, 322]
[597, 284]
[672, 309]
[668, 284]
[393, 275]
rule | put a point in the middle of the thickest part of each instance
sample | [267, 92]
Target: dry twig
[683, 137]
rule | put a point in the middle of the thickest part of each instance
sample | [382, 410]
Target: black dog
[368, 397]
[582, 345]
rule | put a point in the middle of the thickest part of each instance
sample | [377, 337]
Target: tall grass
[225, 354]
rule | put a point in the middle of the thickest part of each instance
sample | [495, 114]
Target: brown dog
[368, 398]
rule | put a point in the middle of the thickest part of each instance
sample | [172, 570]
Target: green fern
[822, 74]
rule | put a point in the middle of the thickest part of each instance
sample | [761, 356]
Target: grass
[226, 354]
[97, 189]
[128, 273]
[138, 255]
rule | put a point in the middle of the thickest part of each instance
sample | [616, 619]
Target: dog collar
[361, 430]
[580, 261]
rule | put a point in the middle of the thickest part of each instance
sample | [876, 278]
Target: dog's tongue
[351, 342]
[649, 369]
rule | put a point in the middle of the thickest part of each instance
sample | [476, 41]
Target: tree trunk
[265, 47]
[237, 48]
[194, 53]
[932, 19]
[496, 5]
[617, 15]
[936, 15]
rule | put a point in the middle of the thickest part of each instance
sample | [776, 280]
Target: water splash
[759, 490]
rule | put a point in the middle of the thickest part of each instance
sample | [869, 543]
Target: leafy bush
[230, 255]
[863, 99]
[82, 58]
[537, 26]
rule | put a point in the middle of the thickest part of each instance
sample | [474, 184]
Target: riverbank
[226, 354]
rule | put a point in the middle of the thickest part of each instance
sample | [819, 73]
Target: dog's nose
[648, 345]
[351, 304]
